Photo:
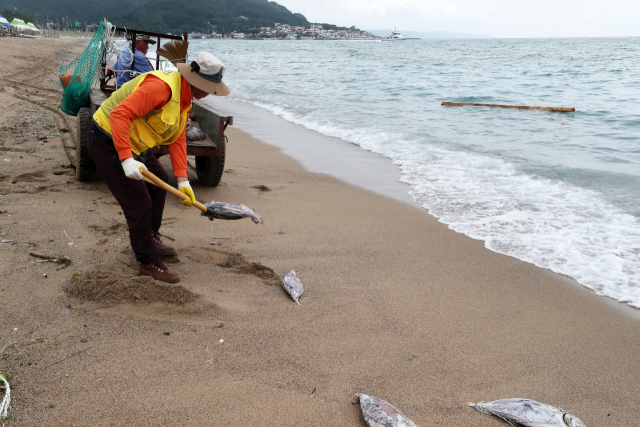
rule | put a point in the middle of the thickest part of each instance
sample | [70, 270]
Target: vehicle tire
[210, 169]
[85, 167]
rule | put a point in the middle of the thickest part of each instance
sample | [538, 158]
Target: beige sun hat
[205, 73]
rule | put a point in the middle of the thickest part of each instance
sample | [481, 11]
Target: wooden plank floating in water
[521, 107]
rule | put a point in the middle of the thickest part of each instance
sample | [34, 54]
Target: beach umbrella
[33, 27]
[4, 22]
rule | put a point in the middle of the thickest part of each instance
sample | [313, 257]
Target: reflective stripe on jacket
[158, 127]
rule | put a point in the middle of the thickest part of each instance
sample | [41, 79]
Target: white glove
[132, 168]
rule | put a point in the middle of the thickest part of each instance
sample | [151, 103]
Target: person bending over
[152, 109]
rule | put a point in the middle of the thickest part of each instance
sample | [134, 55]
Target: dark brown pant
[141, 203]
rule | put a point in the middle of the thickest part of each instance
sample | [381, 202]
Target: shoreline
[347, 162]
[382, 281]
[319, 153]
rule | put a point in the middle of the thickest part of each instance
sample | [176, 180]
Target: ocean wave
[556, 190]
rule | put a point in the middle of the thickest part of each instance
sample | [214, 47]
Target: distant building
[243, 17]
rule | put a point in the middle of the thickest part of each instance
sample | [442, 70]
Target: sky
[494, 18]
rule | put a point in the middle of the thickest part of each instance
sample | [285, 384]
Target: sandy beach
[396, 305]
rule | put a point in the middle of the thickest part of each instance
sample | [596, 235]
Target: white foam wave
[554, 225]
[361, 137]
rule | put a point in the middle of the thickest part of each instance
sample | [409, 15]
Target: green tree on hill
[10, 15]
[196, 15]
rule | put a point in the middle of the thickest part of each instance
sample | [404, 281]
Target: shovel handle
[152, 179]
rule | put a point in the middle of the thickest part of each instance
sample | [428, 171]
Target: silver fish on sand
[378, 413]
[529, 413]
[292, 285]
[220, 210]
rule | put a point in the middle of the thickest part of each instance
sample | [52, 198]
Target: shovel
[152, 179]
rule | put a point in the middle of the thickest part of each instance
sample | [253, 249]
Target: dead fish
[193, 132]
[529, 413]
[378, 413]
[292, 285]
[221, 210]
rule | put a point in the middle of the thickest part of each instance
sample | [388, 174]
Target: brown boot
[164, 249]
[159, 271]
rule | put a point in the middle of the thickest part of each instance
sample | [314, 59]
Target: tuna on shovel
[221, 210]
[529, 413]
[378, 413]
[292, 285]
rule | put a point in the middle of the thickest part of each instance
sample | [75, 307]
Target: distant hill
[163, 15]
[202, 15]
[430, 34]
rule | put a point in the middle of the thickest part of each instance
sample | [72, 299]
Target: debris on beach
[193, 132]
[379, 413]
[529, 413]
[62, 260]
[222, 210]
[292, 285]
[6, 400]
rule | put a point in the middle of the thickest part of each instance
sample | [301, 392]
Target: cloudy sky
[495, 18]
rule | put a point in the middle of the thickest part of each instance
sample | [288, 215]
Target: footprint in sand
[233, 261]
[37, 176]
[110, 228]
[262, 188]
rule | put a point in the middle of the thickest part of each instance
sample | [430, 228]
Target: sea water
[559, 190]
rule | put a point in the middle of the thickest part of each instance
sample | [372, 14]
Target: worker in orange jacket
[152, 109]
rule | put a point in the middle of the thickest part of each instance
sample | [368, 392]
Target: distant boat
[395, 36]
[195, 35]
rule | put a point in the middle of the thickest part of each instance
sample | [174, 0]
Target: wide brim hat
[205, 73]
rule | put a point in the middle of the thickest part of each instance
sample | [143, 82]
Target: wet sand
[395, 306]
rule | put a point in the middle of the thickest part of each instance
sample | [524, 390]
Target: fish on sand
[292, 285]
[528, 413]
[378, 413]
[220, 210]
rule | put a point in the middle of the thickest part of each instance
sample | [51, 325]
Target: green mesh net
[77, 78]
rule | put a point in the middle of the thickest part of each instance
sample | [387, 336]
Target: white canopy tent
[21, 25]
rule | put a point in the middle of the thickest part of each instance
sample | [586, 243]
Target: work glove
[132, 168]
[185, 188]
